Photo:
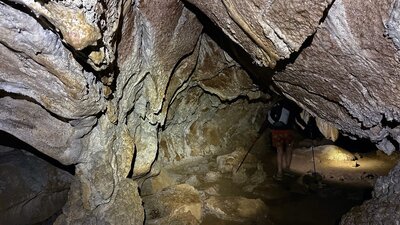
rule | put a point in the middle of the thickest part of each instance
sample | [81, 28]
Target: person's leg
[277, 143]
[288, 156]
[279, 160]
[289, 140]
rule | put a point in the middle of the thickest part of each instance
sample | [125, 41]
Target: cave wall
[107, 89]
[84, 83]
[218, 109]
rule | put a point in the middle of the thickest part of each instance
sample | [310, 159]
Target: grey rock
[384, 205]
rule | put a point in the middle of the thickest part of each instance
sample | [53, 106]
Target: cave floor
[298, 199]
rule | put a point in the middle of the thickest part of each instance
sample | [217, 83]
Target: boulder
[177, 203]
[229, 163]
[238, 209]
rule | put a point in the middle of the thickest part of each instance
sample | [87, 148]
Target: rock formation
[347, 75]
[113, 86]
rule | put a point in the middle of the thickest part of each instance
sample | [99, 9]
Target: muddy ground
[341, 180]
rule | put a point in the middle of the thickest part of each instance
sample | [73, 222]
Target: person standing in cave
[281, 119]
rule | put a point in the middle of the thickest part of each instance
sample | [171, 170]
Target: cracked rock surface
[348, 74]
[268, 30]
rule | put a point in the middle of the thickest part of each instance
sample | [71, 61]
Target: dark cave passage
[34, 187]
[11, 141]
[360, 145]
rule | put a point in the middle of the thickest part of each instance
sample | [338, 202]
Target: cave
[155, 112]
[34, 187]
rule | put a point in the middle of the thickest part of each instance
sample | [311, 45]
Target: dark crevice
[130, 174]
[42, 2]
[237, 98]
[11, 141]
[281, 65]
[362, 145]
[262, 76]
[114, 66]
[176, 66]
[394, 142]
[325, 13]
[183, 83]
[389, 123]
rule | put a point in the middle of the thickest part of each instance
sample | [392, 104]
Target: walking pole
[259, 135]
[313, 157]
[248, 151]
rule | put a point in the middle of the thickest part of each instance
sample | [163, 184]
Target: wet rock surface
[237, 209]
[252, 196]
[210, 196]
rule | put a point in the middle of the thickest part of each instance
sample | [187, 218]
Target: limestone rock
[145, 73]
[210, 132]
[239, 177]
[238, 209]
[158, 183]
[229, 163]
[327, 129]
[219, 74]
[87, 26]
[48, 114]
[347, 75]
[38, 54]
[177, 203]
[34, 125]
[268, 30]
[201, 107]
[31, 189]
[212, 176]
[193, 181]
[384, 205]
[111, 85]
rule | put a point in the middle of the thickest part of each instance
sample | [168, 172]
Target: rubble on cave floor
[214, 192]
